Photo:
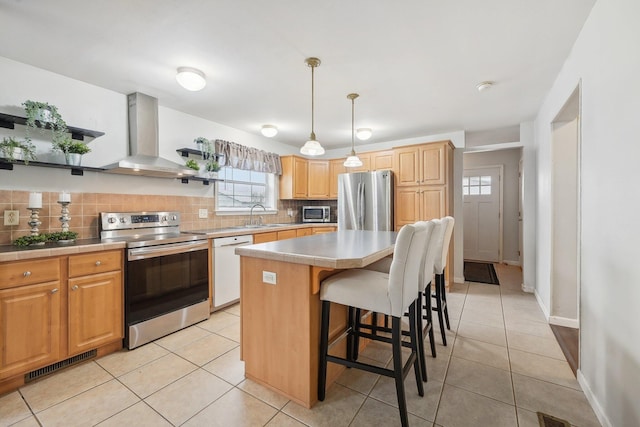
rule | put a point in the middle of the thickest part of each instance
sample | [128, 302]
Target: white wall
[510, 159]
[91, 107]
[605, 59]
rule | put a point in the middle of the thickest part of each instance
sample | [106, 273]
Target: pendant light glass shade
[312, 147]
[353, 161]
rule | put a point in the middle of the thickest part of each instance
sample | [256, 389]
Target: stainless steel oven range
[166, 273]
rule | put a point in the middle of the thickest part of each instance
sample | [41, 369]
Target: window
[242, 189]
[476, 185]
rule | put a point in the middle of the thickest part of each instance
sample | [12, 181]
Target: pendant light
[352, 161]
[312, 147]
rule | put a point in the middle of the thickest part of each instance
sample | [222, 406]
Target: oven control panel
[134, 220]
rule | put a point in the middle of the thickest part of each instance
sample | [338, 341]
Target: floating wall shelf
[75, 170]
[9, 121]
[205, 181]
[186, 152]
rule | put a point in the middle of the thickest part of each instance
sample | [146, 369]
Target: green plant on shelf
[41, 115]
[67, 145]
[12, 149]
[192, 164]
[212, 165]
[61, 235]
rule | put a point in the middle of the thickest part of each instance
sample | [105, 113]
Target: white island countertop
[341, 249]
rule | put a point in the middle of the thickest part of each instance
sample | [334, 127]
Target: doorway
[565, 221]
[482, 199]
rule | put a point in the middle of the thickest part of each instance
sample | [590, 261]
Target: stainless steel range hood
[143, 143]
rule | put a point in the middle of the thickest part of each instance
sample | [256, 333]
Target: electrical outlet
[269, 277]
[290, 212]
[203, 213]
[11, 217]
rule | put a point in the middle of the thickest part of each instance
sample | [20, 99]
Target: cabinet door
[300, 178]
[433, 163]
[287, 234]
[433, 203]
[319, 230]
[407, 206]
[265, 237]
[336, 167]
[29, 327]
[303, 232]
[407, 166]
[95, 311]
[318, 181]
[366, 164]
[382, 160]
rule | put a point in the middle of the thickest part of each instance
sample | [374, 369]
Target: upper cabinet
[294, 178]
[381, 160]
[336, 167]
[425, 164]
[318, 182]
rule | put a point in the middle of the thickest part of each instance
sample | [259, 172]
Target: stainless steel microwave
[316, 214]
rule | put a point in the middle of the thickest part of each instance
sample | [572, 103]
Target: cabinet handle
[74, 288]
[26, 274]
[98, 263]
[54, 290]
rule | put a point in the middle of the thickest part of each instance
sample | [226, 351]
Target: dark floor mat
[550, 421]
[482, 272]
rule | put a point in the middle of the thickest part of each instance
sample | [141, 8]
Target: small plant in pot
[62, 237]
[72, 150]
[41, 115]
[192, 164]
[12, 149]
[212, 168]
[201, 143]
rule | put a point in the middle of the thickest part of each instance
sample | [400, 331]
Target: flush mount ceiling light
[352, 161]
[191, 78]
[269, 131]
[312, 147]
[363, 134]
[484, 86]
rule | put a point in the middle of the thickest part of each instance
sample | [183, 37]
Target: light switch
[269, 277]
[203, 213]
[11, 217]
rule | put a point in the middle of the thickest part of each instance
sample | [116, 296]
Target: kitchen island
[280, 305]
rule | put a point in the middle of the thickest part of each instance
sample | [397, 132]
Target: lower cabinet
[318, 230]
[47, 316]
[420, 203]
[30, 327]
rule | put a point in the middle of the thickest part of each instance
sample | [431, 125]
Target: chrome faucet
[251, 212]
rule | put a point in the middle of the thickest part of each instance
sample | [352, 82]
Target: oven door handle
[168, 249]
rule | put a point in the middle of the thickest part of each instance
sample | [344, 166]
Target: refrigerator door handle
[361, 202]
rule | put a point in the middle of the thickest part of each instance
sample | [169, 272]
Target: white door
[481, 190]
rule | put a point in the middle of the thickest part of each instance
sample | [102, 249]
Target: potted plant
[212, 167]
[62, 237]
[201, 144]
[72, 150]
[192, 164]
[44, 115]
[12, 150]
[37, 240]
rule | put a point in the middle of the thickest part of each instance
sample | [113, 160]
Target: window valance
[248, 158]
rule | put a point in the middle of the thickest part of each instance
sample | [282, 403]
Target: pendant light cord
[313, 134]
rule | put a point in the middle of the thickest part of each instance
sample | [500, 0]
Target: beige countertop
[16, 253]
[343, 249]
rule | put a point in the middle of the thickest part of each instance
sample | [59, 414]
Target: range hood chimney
[143, 156]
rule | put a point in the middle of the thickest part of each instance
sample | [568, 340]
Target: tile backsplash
[85, 208]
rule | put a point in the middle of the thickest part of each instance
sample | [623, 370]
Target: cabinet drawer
[94, 262]
[28, 272]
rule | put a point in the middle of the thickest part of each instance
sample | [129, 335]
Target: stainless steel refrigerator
[365, 201]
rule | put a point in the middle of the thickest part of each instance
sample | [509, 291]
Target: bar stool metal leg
[438, 309]
[443, 294]
[429, 318]
[324, 348]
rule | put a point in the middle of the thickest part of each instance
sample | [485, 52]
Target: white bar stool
[390, 294]
[440, 294]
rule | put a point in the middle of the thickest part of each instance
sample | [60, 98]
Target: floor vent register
[47, 370]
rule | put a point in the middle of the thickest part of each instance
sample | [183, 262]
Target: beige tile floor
[502, 365]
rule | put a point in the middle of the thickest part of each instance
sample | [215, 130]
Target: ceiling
[415, 63]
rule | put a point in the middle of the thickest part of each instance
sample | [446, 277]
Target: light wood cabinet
[300, 232]
[382, 160]
[319, 230]
[30, 328]
[318, 182]
[55, 308]
[270, 236]
[95, 310]
[336, 167]
[426, 164]
[294, 178]
[287, 234]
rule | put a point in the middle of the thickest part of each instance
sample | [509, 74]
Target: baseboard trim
[510, 262]
[564, 321]
[543, 307]
[530, 290]
[458, 279]
[595, 405]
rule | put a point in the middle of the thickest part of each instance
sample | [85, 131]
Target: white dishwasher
[226, 268]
